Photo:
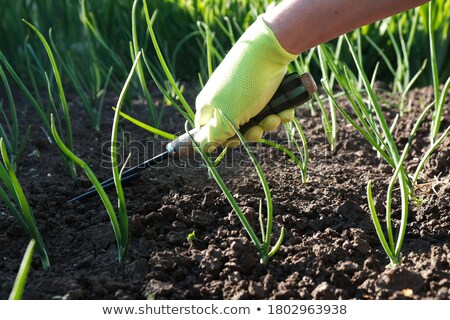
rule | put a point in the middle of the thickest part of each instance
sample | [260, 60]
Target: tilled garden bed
[330, 250]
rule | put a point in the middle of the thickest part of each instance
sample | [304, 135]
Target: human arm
[300, 25]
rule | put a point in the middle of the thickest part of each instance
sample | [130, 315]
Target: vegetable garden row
[350, 200]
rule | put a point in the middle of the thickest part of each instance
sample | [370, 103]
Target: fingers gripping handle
[293, 91]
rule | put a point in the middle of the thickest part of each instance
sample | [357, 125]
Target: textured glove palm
[240, 87]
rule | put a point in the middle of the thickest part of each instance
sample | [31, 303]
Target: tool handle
[293, 91]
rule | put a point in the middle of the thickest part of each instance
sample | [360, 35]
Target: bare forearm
[303, 24]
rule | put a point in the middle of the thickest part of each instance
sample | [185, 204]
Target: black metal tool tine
[83, 196]
[127, 175]
[108, 184]
[130, 174]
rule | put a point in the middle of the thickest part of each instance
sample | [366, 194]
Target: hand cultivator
[294, 90]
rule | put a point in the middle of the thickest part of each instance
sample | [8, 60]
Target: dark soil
[330, 250]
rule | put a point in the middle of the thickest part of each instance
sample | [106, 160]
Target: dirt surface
[330, 250]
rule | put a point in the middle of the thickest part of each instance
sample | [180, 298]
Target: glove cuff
[262, 65]
[282, 55]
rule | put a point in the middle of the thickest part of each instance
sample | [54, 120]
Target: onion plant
[329, 121]
[92, 97]
[100, 55]
[225, 19]
[439, 98]
[90, 81]
[119, 228]
[402, 47]
[375, 129]
[35, 69]
[435, 39]
[208, 37]
[62, 95]
[404, 42]
[9, 130]
[328, 117]
[155, 117]
[187, 112]
[171, 93]
[303, 149]
[402, 79]
[92, 28]
[147, 127]
[368, 115]
[302, 160]
[427, 155]
[118, 220]
[35, 104]
[62, 16]
[391, 247]
[13, 196]
[263, 246]
[373, 125]
[22, 275]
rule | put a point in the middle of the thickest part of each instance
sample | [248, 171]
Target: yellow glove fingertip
[270, 122]
[203, 139]
[232, 143]
[210, 146]
[254, 133]
[287, 115]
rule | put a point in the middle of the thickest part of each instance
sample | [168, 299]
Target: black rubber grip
[291, 93]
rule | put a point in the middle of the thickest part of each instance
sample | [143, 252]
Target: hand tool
[293, 91]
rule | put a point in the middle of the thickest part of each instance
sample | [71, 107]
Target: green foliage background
[177, 19]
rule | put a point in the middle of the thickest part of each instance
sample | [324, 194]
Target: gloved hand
[240, 88]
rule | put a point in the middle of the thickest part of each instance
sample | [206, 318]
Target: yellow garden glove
[240, 88]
